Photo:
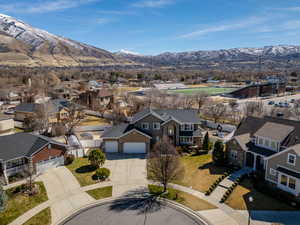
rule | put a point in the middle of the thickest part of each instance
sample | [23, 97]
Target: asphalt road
[131, 213]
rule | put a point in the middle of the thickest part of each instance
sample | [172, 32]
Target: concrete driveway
[128, 172]
[64, 192]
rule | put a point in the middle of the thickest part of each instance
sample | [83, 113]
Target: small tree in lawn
[164, 163]
[218, 154]
[206, 142]
[3, 199]
[97, 158]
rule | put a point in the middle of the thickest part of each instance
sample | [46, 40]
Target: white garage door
[111, 146]
[134, 147]
[51, 163]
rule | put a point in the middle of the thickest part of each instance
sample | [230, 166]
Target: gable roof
[22, 145]
[281, 131]
[27, 107]
[122, 130]
[181, 115]
[250, 125]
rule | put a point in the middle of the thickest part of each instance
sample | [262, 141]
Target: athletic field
[207, 90]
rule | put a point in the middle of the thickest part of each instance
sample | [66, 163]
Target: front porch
[255, 161]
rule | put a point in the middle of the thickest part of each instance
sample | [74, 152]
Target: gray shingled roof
[182, 115]
[115, 131]
[274, 131]
[27, 107]
[22, 145]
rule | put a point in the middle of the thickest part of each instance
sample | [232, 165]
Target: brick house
[149, 126]
[270, 146]
[21, 150]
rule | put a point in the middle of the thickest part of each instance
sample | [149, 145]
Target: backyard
[239, 199]
[207, 90]
[19, 203]
[200, 172]
[83, 171]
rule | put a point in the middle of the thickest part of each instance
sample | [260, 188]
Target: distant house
[169, 86]
[23, 150]
[57, 110]
[147, 127]
[92, 99]
[270, 146]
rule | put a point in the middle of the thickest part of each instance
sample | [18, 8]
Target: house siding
[175, 125]
[134, 137]
[233, 145]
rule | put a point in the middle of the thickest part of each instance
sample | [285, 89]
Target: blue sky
[156, 26]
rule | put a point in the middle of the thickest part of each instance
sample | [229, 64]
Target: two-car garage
[132, 142]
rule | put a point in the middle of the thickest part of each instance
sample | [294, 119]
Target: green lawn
[101, 193]
[240, 195]
[186, 199]
[19, 203]
[82, 170]
[207, 90]
[42, 218]
[200, 172]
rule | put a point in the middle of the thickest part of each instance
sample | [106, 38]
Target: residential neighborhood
[149, 112]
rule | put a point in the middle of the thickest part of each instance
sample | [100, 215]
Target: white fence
[90, 143]
[225, 127]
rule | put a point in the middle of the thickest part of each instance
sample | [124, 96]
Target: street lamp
[250, 201]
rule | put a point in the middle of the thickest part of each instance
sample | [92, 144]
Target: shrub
[3, 200]
[102, 173]
[97, 158]
[69, 159]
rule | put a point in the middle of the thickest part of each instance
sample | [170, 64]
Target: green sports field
[207, 90]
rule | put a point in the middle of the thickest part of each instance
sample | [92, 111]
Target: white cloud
[224, 27]
[47, 6]
[103, 20]
[153, 3]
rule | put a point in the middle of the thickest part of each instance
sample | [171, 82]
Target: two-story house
[181, 126]
[271, 146]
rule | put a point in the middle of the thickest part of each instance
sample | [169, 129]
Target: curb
[186, 211]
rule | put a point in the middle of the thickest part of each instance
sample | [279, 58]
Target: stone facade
[235, 154]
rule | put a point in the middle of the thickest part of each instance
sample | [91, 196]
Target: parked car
[279, 114]
[292, 100]
[271, 103]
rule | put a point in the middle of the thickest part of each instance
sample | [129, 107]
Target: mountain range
[24, 45]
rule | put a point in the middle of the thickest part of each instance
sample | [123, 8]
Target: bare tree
[75, 116]
[118, 115]
[296, 109]
[217, 111]
[200, 99]
[254, 108]
[164, 163]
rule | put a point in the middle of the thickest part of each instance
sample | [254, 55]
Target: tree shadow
[121, 156]
[85, 169]
[139, 200]
[213, 169]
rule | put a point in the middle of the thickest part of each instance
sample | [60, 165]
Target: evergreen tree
[3, 199]
[206, 141]
[218, 154]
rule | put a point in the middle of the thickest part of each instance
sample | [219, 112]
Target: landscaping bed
[200, 172]
[101, 193]
[42, 218]
[83, 171]
[239, 199]
[18, 203]
[186, 199]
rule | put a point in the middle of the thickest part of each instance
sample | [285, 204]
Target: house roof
[288, 172]
[27, 107]
[181, 115]
[251, 125]
[104, 93]
[116, 131]
[22, 145]
[282, 131]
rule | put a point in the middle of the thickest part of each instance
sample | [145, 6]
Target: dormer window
[291, 159]
[187, 127]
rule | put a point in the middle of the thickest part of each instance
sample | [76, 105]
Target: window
[260, 141]
[292, 183]
[186, 140]
[233, 154]
[273, 172]
[187, 127]
[273, 145]
[145, 126]
[157, 138]
[291, 159]
[283, 180]
[170, 131]
[156, 126]
[267, 142]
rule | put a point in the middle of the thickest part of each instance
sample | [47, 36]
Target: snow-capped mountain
[22, 44]
[124, 52]
[268, 56]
